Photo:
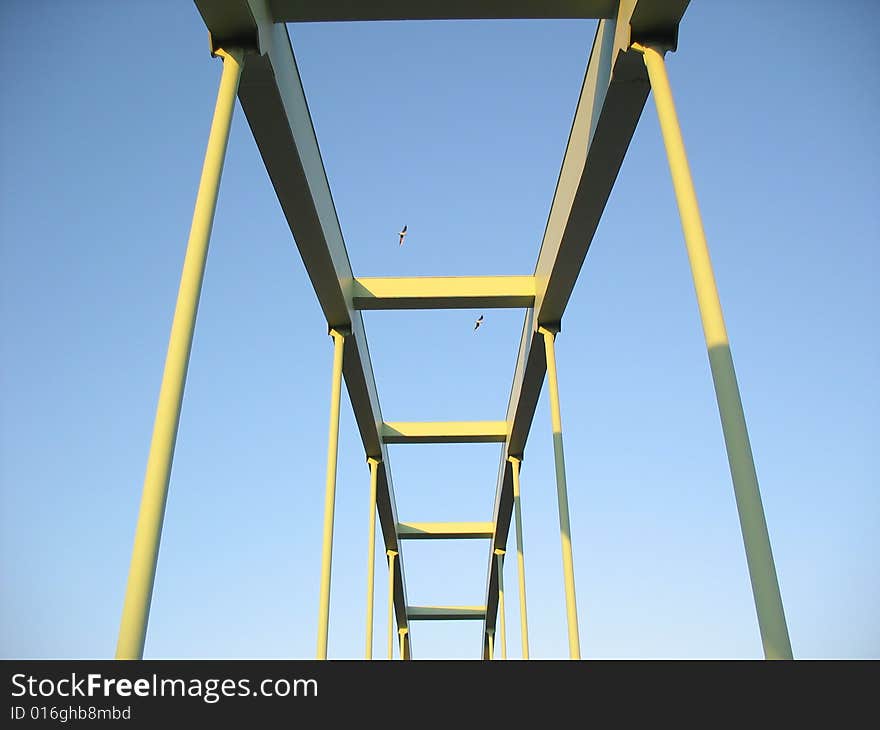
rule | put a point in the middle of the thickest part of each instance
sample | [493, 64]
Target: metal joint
[661, 39]
[246, 43]
[552, 328]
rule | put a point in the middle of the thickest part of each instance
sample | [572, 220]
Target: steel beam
[520, 557]
[371, 556]
[446, 613]
[274, 103]
[290, 11]
[391, 554]
[401, 639]
[612, 97]
[444, 432]
[330, 495]
[444, 292]
[445, 530]
[574, 645]
[756, 539]
[499, 555]
[151, 515]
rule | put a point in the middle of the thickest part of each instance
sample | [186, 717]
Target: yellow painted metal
[444, 432]
[401, 637]
[759, 556]
[574, 647]
[371, 557]
[499, 556]
[444, 530]
[330, 493]
[445, 613]
[520, 558]
[145, 553]
[391, 555]
[443, 292]
[490, 633]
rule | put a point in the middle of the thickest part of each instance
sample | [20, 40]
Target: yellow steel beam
[371, 554]
[762, 571]
[520, 558]
[445, 613]
[148, 533]
[402, 641]
[444, 432]
[391, 555]
[330, 494]
[444, 530]
[574, 646]
[443, 292]
[502, 619]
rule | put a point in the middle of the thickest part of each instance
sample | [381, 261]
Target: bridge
[626, 63]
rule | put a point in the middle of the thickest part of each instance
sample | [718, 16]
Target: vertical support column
[520, 558]
[371, 557]
[499, 556]
[491, 634]
[401, 636]
[148, 534]
[391, 555]
[762, 571]
[330, 494]
[574, 647]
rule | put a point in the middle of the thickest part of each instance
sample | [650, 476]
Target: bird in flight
[402, 235]
[478, 323]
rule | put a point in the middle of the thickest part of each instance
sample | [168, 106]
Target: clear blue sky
[456, 129]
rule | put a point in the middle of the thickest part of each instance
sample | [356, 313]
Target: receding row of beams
[628, 48]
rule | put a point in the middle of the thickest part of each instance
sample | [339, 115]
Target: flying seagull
[478, 323]
[402, 235]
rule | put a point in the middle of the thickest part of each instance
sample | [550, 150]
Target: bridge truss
[626, 62]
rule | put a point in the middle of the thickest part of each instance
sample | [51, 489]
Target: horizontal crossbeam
[445, 613]
[444, 530]
[444, 432]
[443, 292]
[290, 11]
